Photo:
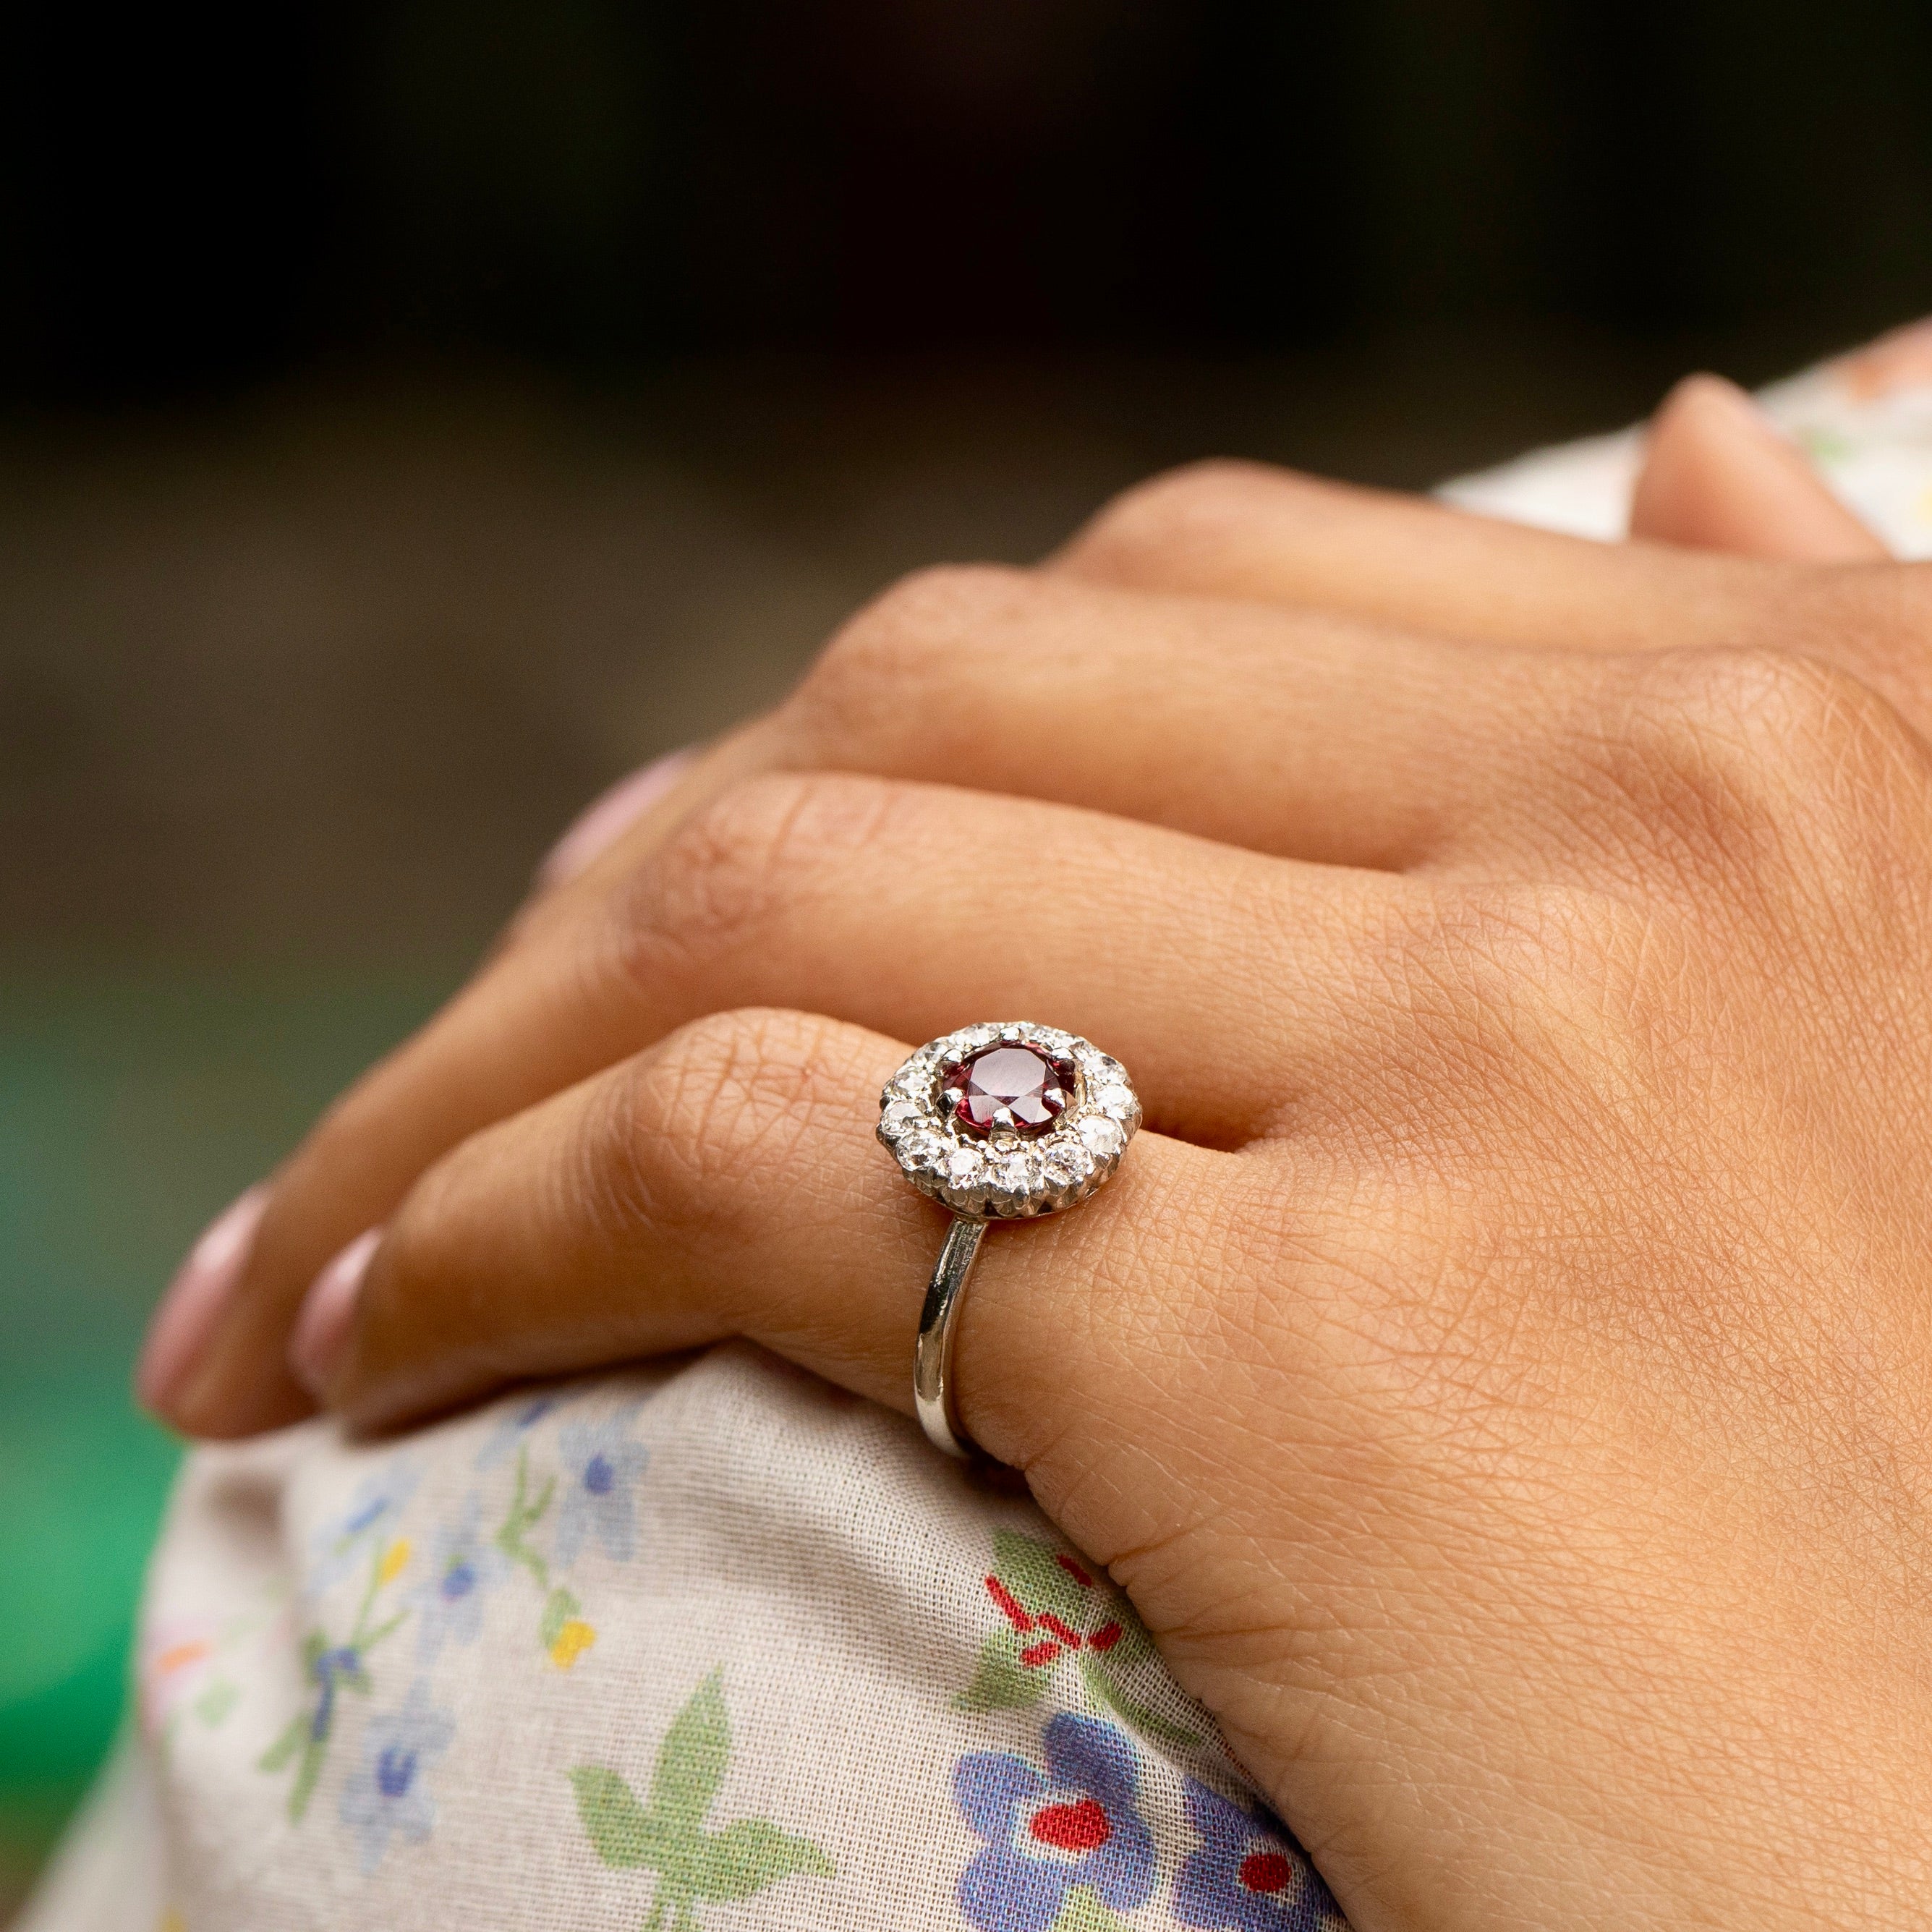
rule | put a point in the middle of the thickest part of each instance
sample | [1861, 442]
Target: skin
[1499, 1371]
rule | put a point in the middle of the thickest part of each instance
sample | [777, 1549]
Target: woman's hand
[1500, 1378]
[550, 1007]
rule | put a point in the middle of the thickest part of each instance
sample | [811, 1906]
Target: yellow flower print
[572, 1641]
[393, 1559]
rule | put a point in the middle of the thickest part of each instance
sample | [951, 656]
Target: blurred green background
[413, 416]
[128, 1103]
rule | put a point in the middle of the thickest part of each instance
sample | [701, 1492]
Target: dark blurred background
[412, 416]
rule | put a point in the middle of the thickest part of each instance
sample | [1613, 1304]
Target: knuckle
[732, 1093]
[726, 875]
[1181, 509]
[856, 693]
[1781, 708]
[710, 884]
[1759, 768]
[1555, 987]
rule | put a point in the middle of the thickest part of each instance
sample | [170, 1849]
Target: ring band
[932, 1386]
[997, 1122]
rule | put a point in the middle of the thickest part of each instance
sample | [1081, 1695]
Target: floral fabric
[701, 1648]
[1075, 1824]
[1245, 1876]
[713, 1645]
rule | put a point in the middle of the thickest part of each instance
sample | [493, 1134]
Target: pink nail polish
[329, 1309]
[191, 1310]
[609, 816]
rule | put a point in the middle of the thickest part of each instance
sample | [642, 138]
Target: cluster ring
[1002, 1121]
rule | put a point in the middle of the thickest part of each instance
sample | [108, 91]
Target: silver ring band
[997, 1122]
[932, 1390]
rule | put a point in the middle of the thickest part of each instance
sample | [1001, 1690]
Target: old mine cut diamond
[1012, 1088]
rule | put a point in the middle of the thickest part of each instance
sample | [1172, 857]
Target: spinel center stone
[1014, 1088]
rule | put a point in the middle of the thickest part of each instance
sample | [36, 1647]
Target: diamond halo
[1010, 1174]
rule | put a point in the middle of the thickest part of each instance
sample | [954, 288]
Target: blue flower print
[600, 1468]
[387, 1795]
[518, 1418]
[462, 1566]
[1248, 1874]
[372, 1513]
[1075, 1825]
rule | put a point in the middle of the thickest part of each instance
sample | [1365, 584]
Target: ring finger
[726, 1181]
[901, 908]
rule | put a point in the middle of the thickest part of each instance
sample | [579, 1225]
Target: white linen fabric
[711, 1644]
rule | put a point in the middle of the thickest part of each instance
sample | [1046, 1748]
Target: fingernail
[322, 1328]
[607, 817]
[191, 1309]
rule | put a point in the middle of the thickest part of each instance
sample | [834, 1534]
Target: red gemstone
[1014, 1088]
[1266, 1871]
[1073, 1828]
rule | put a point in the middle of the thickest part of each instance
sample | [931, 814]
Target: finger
[1240, 530]
[727, 1181]
[369, 1176]
[1289, 732]
[1298, 732]
[1718, 474]
[906, 908]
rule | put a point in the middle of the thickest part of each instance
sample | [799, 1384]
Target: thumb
[1718, 474]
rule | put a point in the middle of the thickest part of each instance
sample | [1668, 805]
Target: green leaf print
[1107, 1690]
[668, 1835]
[559, 1607]
[521, 1518]
[286, 1746]
[1032, 1571]
[746, 1857]
[622, 1831]
[217, 1702]
[1056, 1611]
[1083, 1911]
[1825, 445]
[1000, 1681]
[692, 1758]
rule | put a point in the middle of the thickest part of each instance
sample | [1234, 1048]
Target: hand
[1718, 476]
[1499, 1378]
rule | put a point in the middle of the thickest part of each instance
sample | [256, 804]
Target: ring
[997, 1122]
